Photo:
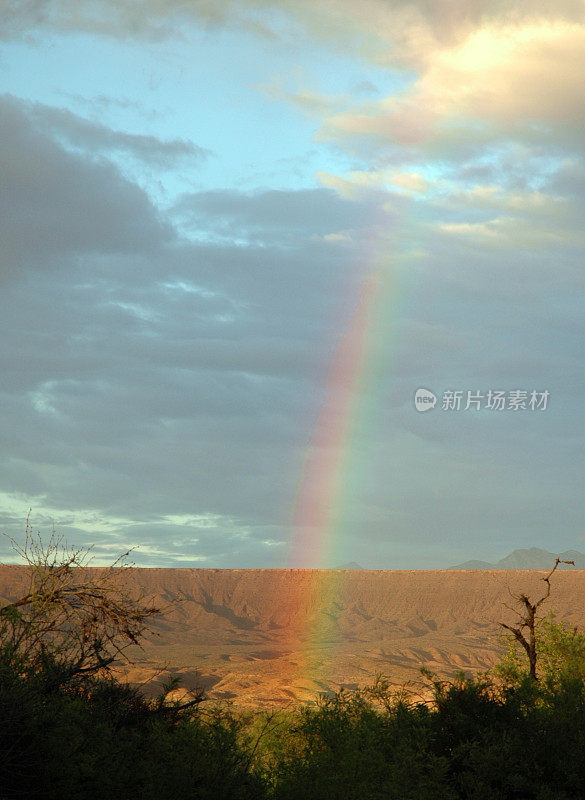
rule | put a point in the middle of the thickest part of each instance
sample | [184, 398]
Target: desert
[276, 637]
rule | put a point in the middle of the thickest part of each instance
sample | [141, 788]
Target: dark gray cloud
[55, 204]
[279, 214]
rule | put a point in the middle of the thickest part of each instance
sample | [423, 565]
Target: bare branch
[528, 621]
[549, 576]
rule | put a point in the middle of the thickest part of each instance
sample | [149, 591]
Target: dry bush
[80, 617]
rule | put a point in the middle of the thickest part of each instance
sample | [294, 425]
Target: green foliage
[475, 740]
[104, 740]
[352, 749]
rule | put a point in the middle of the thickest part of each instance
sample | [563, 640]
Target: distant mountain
[533, 558]
[350, 565]
[474, 564]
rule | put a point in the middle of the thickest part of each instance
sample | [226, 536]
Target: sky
[239, 236]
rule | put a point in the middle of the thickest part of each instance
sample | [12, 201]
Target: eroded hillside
[272, 636]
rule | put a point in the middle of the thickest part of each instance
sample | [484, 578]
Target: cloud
[367, 24]
[510, 79]
[97, 138]
[306, 100]
[276, 214]
[152, 19]
[56, 205]
[404, 24]
[362, 183]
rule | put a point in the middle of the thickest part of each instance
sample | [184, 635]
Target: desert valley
[263, 637]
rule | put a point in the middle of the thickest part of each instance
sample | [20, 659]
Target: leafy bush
[476, 740]
[104, 740]
[352, 749]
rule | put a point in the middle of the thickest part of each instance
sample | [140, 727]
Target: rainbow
[319, 505]
[319, 500]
